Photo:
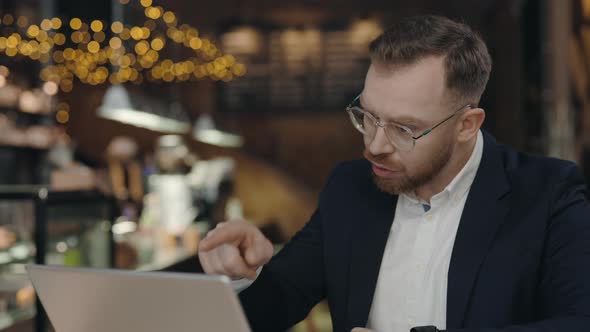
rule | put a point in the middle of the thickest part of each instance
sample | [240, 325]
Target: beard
[408, 183]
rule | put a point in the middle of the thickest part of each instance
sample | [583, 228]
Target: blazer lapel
[370, 231]
[484, 211]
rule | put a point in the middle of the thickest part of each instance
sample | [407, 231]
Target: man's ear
[470, 123]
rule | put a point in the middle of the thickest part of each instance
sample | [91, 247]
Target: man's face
[414, 96]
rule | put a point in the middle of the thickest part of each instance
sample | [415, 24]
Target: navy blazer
[520, 262]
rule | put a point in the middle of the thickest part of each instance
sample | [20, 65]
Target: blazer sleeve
[290, 285]
[293, 282]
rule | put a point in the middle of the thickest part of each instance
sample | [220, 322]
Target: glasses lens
[362, 121]
[400, 136]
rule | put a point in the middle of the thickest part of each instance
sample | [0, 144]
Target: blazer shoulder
[536, 173]
[526, 165]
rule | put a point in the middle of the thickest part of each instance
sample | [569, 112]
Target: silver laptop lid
[92, 300]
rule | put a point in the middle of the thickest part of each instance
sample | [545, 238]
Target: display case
[38, 225]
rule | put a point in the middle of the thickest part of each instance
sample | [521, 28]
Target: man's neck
[458, 160]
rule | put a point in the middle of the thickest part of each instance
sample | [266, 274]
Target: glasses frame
[382, 124]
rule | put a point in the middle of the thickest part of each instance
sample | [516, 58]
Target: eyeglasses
[400, 136]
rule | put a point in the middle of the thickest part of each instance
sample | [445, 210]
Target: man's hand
[361, 329]
[235, 249]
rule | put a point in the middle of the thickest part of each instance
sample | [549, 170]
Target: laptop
[93, 300]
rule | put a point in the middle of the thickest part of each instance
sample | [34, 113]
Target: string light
[8, 19]
[96, 26]
[62, 116]
[56, 23]
[117, 27]
[46, 25]
[115, 42]
[87, 59]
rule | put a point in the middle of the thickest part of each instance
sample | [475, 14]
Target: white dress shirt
[412, 285]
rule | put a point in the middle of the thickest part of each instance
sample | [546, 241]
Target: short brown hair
[467, 61]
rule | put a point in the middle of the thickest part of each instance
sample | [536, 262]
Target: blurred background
[129, 128]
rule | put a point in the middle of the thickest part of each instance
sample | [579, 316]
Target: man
[441, 227]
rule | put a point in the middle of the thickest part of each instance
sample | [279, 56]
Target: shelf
[44, 192]
[23, 147]
[10, 318]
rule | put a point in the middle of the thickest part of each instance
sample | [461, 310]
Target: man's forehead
[419, 89]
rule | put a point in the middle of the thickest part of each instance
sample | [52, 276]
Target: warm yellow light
[125, 61]
[115, 42]
[45, 58]
[238, 69]
[168, 77]
[169, 17]
[75, 23]
[86, 37]
[62, 116]
[229, 60]
[145, 33]
[99, 36]
[153, 55]
[178, 69]
[192, 33]
[46, 25]
[12, 42]
[178, 36]
[132, 59]
[69, 54]
[196, 43]
[56, 23]
[586, 8]
[58, 56]
[26, 49]
[65, 83]
[44, 47]
[42, 36]
[59, 39]
[146, 3]
[50, 88]
[157, 44]
[76, 37]
[136, 33]
[117, 27]
[153, 12]
[167, 65]
[3, 41]
[81, 72]
[33, 31]
[125, 34]
[96, 26]
[93, 47]
[22, 21]
[4, 71]
[142, 47]
[11, 51]
[8, 19]
[150, 24]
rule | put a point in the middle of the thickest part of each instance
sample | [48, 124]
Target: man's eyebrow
[404, 120]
